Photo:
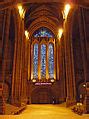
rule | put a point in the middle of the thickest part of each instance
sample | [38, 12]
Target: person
[53, 100]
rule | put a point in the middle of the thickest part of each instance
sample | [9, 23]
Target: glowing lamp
[52, 80]
[60, 32]
[84, 85]
[27, 34]
[66, 10]
[34, 80]
[21, 11]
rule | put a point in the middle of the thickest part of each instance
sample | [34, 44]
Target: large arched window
[43, 62]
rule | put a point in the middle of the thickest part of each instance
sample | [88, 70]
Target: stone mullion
[39, 61]
[47, 73]
[55, 59]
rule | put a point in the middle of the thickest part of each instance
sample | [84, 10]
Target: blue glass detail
[51, 60]
[35, 61]
[43, 32]
[43, 61]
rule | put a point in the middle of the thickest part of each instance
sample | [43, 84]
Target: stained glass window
[46, 61]
[35, 61]
[43, 61]
[43, 32]
[51, 60]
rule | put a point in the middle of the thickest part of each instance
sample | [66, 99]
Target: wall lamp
[60, 32]
[66, 11]
[21, 11]
[26, 34]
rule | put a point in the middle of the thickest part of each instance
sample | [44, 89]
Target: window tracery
[43, 57]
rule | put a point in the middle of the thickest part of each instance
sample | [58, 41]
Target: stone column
[17, 66]
[83, 38]
[24, 70]
[70, 79]
[5, 50]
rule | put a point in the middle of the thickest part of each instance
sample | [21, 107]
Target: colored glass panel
[43, 32]
[43, 61]
[35, 61]
[51, 60]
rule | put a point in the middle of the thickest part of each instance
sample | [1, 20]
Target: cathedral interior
[44, 54]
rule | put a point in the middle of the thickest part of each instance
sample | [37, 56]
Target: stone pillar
[5, 50]
[83, 31]
[17, 65]
[70, 79]
[25, 55]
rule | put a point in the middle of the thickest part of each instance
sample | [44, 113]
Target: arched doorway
[41, 96]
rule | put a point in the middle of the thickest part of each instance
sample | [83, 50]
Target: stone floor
[46, 112]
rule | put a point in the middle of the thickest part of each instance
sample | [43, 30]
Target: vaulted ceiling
[43, 14]
[7, 3]
[39, 13]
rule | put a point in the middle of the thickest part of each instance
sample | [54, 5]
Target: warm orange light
[27, 34]
[21, 11]
[84, 85]
[52, 80]
[34, 80]
[66, 10]
[31, 76]
[60, 32]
